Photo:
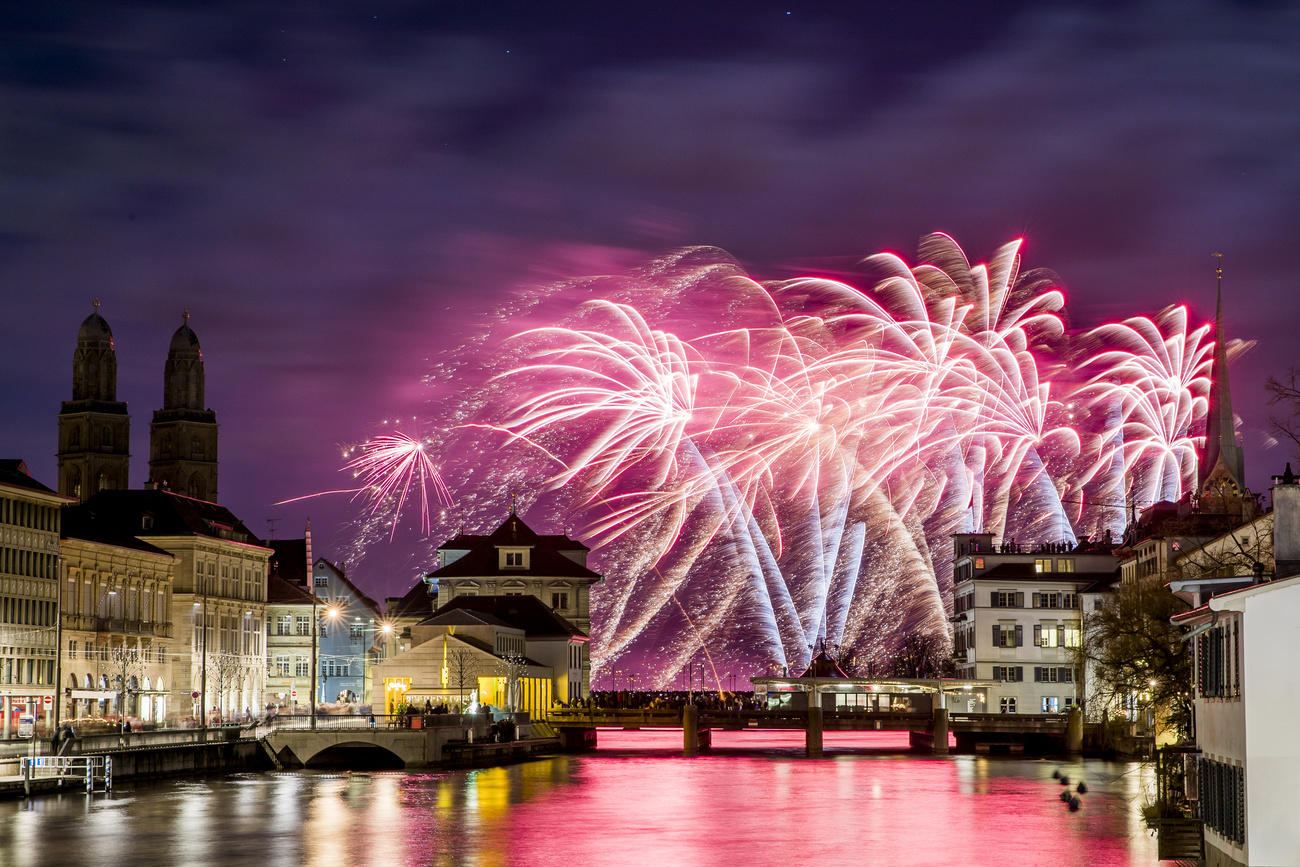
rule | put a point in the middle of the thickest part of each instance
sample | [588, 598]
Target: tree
[1287, 393]
[462, 665]
[1138, 656]
[922, 655]
[228, 672]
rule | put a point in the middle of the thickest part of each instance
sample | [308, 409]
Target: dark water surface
[620, 805]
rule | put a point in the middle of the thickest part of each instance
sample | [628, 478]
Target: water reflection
[619, 806]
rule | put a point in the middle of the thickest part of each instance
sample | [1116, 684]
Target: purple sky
[338, 194]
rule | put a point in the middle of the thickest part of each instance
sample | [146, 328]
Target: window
[302, 625]
[560, 601]
[356, 632]
[514, 558]
[1008, 635]
[1070, 635]
[322, 581]
[1222, 791]
[284, 624]
[1051, 704]
[1009, 673]
[1007, 704]
[302, 668]
[1007, 599]
[1043, 564]
[1069, 600]
[1046, 635]
[1046, 600]
[1064, 565]
[282, 666]
[1053, 674]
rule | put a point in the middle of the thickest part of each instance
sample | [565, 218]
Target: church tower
[1222, 465]
[94, 428]
[183, 435]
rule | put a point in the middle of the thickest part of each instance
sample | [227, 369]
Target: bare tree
[125, 666]
[228, 672]
[1138, 656]
[462, 664]
[921, 655]
[1287, 394]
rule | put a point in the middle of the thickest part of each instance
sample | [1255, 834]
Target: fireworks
[391, 468]
[761, 467]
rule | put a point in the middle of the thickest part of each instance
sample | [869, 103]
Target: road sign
[293, 693]
[47, 700]
[194, 694]
[26, 725]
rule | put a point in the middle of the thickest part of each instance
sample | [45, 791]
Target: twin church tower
[94, 428]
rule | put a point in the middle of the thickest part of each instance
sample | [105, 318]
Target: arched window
[74, 437]
[105, 437]
[89, 683]
[196, 448]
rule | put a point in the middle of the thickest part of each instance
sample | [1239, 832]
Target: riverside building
[1017, 619]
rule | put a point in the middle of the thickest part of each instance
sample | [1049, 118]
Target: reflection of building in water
[511, 652]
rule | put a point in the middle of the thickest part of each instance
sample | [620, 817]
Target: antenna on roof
[270, 527]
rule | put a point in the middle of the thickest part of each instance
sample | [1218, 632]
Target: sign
[47, 701]
[26, 725]
[293, 693]
[195, 695]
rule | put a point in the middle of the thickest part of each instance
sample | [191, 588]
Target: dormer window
[514, 559]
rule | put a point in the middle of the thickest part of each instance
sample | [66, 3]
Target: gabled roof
[823, 666]
[463, 617]
[521, 612]
[281, 592]
[13, 472]
[417, 602]
[482, 561]
[122, 513]
[356, 591]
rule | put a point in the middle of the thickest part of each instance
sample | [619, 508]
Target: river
[751, 801]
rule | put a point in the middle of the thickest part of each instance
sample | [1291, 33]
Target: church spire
[1220, 428]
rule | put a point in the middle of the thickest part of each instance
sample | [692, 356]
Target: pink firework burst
[393, 468]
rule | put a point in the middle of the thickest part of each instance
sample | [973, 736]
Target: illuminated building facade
[1017, 618]
[348, 628]
[511, 652]
[30, 523]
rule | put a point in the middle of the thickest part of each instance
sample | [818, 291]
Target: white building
[1017, 618]
[1247, 701]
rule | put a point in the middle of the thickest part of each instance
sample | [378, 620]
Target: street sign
[195, 694]
[293, 693]
[26, 725]
[47, 701]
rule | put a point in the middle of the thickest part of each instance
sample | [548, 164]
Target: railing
[299, 722]
[87, 768]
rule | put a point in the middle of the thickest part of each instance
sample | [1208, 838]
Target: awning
[97, 694]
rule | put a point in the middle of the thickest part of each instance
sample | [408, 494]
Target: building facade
[511, 652]
[1017, 619]
[347, 631]
[514, 560]
[217, 668]
[116, 629]
[30, 523]
[289, 610]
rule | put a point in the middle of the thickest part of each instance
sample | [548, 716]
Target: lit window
[1007, 704]
[1051, 704]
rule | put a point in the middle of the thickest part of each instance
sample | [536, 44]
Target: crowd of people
[667, 700]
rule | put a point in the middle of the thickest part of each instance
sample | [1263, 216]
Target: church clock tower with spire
[1222, 471]
[183, 435]
[94, 428]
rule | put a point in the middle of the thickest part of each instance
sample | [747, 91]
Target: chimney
[311, 579]
[1286, 524]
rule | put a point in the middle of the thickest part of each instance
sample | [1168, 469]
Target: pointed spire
[94, 302]
[1220, 426]
[512, 504]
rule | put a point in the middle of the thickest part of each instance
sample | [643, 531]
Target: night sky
[338, 191]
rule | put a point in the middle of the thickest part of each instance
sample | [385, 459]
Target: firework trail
[761, 467]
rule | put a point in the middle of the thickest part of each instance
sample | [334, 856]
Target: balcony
[122, 626]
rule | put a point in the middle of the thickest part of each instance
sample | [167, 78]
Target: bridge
[420, 741]
[974, 732]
